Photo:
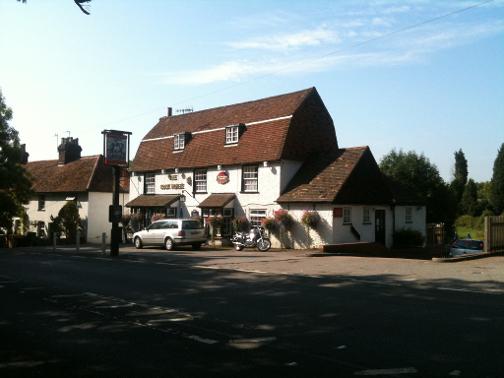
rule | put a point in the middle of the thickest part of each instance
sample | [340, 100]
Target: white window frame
[200, 180]
[256, 216]
[366, 215]
[232, 134]
[347, 215]
[408, 215]
[250, 178]
[171, 212]
[149, 183]
[178, 142]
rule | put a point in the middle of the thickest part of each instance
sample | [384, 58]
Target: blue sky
[433, 88]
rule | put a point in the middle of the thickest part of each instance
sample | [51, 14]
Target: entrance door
[380, 226]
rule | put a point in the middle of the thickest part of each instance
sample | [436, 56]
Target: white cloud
[300, 39]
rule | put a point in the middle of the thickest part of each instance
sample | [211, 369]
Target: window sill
[178, 151]
[244, 192]
[200, 193]
[231, 144]
[367, 223]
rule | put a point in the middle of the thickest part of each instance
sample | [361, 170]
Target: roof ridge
[81, 158]
[240, 103]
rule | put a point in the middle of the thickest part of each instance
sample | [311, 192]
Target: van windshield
[191, 225]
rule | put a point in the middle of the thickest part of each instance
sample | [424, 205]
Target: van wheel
[169, 244]
[196, 246]
[138, 243]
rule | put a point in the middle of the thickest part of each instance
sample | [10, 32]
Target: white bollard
[77, 241]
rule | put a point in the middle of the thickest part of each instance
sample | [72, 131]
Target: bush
[311, 219]
[241, 224]
[283, 217]
[68, 220]
[408, 238]
[270, 224]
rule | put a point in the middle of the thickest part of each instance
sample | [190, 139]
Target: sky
[418, 75]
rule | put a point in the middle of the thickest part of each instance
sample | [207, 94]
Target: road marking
[201, 339]
[406, 370]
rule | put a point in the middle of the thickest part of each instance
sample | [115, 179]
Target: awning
[154, 200]
[217, 200]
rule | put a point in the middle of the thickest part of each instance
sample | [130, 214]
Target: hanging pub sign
[116, 147]
[223, 177]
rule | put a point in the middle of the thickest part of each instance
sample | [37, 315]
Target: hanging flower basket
[157, 216]
[241, 224]
[283, 217]
[311, 219]
[270, 224]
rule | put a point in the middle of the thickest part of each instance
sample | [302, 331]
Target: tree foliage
[459, 175]
[469, 201]
[15, 185]
[82, 4]
[497, 188]
[421, 177]
[68, 220]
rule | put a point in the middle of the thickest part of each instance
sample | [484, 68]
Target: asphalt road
[91, 315]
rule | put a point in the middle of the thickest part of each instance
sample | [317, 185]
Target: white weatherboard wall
[303, 237]
[53, 204]
[418, 223]
[342, 233]
[98, 218]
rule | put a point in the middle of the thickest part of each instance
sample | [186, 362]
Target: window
[347, 215]
[178, 141]
[366, 219]
[200, 181]
[232, 134]
[408, 215]
[41, 202]
[249, 178]
[256, 216]
[149, 183]
[171, 212]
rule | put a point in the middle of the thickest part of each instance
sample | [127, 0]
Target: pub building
[253, 158]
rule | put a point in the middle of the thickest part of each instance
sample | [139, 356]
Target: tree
[416, 173]
[80, 3]
[459, 175]
[15, 185]
[469, 201]
[68, 220]
[497, 188]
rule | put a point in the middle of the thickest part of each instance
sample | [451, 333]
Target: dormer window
[232, 134]
[179, 141]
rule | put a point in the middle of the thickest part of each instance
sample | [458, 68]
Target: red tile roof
[153, 200]
[87, 174]
[347, 175]
[217, 200]
[297, 120]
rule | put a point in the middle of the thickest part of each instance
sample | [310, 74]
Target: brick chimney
[69, 150]
[23, 154]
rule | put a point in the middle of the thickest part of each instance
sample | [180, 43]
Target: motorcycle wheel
[263, 245]
[238, 248]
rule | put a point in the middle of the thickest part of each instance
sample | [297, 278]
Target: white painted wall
[98, 214]
[342, 233]
[53, 204]
[419, 217]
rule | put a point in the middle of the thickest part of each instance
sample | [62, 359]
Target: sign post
[116, 154]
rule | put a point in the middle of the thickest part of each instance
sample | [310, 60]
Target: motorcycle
[254, 238]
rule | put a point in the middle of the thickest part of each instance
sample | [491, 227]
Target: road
[185, 315]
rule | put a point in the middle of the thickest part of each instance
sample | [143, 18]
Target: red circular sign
[222, 177]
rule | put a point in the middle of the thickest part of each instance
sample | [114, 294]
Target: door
[380, 226]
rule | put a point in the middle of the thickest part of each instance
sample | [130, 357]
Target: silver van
[170, 233]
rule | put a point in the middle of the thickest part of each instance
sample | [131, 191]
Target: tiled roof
[347, 175]
[217, 200]
[85, 174]
[271, 124]
[153, 200]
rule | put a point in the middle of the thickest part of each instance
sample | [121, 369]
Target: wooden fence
[494, 233]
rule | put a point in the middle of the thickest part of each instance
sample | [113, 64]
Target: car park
[171, 233]
[461, 247]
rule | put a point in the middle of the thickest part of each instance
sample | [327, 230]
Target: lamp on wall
[182, 198]
[219, 167]
[265, 163]
[176, 170]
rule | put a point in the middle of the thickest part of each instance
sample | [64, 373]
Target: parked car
[460, 247]
[171, 233]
